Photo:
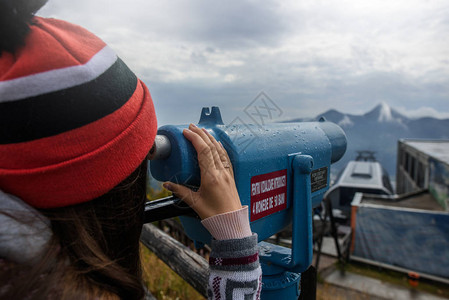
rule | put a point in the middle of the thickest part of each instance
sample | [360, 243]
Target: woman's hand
[217, 193]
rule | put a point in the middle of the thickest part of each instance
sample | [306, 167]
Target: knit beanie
[74, 119]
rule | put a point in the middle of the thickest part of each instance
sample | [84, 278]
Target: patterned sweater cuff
[235, 254]
[231, 225]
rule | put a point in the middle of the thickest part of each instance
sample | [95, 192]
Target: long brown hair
[94, 252]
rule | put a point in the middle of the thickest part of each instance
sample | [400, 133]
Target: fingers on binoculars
[184, 193]
[205, 146]
[223, 158]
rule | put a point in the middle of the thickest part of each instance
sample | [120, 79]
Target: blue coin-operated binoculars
[281, 170]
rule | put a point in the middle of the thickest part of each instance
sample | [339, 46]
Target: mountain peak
[331, 114]
[383, 113]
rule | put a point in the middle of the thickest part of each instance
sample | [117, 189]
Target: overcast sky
[307, 55]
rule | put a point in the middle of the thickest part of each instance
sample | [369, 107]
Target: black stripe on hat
[53, 113]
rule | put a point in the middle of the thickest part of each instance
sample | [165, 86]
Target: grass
[164, 283]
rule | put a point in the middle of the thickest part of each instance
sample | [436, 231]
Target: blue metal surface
[254, 150]
[281, 171]
[285, 285]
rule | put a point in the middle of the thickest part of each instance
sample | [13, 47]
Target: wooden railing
[192, 267]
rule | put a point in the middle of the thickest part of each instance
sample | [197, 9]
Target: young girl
[76, 126]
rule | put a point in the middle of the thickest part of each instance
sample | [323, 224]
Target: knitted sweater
[235, 272]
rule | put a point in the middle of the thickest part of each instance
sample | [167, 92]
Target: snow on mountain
[385, 113]
[346, 122]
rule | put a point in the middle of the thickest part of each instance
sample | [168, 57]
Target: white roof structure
[438, 149]
[362, 175]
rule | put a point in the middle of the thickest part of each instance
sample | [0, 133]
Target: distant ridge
[379, 130]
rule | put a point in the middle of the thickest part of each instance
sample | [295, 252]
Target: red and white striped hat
[74, 120]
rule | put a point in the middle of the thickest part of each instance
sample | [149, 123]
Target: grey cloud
[301, 95]
[230, 24]
[198, 58]
[224, 24]
[349, 69]
[233, 23]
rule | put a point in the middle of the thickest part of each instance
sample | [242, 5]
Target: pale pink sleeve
[230, 225]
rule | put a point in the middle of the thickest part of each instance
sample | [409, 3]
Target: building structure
[363, 175]
[424, 164]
